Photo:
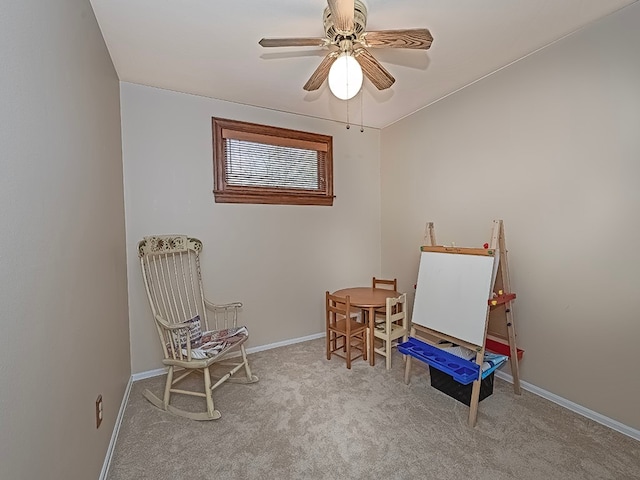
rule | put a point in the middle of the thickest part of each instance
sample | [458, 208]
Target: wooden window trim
[232, 129]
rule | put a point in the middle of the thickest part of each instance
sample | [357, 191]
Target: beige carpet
[309, 418]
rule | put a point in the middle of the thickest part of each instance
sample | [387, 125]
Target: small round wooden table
[370, 299]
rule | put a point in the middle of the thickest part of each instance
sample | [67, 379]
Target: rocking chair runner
[192, 341]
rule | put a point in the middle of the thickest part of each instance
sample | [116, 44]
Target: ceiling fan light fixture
[345, 77]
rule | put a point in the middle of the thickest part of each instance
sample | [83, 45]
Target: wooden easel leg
[513, 352]
[407, 364]
[511, 329]
[475, 393]
[407, 370]
[473, 407]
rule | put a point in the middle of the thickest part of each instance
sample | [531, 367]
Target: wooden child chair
[341, 325]
[382, 283]
[396, 325]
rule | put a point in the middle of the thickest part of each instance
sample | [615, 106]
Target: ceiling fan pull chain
[348, 126]
[361, 113]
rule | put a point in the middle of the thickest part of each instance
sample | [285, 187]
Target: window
[262, 164]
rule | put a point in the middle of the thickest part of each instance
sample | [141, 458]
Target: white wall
[277, 260]
[551, 146]
[64, 321]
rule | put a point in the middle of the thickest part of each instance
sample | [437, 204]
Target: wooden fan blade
[419, 38]
[293, 42]
[321, 73]
[373, 70]
[342, 14]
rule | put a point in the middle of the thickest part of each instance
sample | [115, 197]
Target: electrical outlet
[98, 411]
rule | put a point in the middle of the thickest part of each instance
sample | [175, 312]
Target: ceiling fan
[345, 24]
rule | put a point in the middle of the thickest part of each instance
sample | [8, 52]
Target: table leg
[372, 325]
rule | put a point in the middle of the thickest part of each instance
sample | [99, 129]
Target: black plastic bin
[446, 384]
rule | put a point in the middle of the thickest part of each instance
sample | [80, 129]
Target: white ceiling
[210, 48]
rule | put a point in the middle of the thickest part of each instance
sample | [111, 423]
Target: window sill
[271, 199]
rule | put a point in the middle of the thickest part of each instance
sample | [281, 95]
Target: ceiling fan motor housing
[359, 24]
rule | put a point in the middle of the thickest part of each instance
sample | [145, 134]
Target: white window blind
[275, 166]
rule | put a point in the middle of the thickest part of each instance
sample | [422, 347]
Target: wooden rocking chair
[191, 340]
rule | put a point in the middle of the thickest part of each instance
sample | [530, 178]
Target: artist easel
[499, 325]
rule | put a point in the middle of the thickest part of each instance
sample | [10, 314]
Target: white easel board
[452, 294]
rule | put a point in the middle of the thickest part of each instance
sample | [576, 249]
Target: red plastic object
[501, 348]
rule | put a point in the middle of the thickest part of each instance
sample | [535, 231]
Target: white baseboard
[285, 343]
[116, 429]
[148, 374]
[574, 407]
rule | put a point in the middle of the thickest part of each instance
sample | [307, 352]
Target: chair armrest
[223, 306]
[224, 315]
[171, 326]
[172, 350]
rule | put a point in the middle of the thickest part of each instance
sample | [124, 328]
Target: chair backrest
[397, 310]
[382, 283]
[338, 308]
[173, 282]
